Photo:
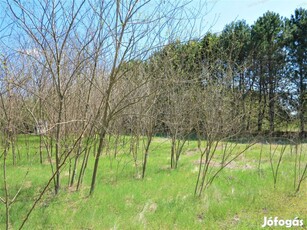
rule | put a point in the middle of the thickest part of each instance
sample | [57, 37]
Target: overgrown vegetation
[87, 86]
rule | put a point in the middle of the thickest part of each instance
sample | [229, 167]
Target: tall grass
[238, 199]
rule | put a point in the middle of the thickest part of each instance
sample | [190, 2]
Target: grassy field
[240, 197]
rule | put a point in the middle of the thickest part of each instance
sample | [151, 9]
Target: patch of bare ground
[160, 140]
[165, 168]
[71, 189]
[192, 152]
[47, 161]
[27, 184]
[231, 165]
[149, 207]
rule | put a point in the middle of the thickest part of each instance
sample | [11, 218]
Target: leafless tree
[215, 124]
[273, 151]
[58, 47]
[300, 165]
[134, 33]
[9, 127]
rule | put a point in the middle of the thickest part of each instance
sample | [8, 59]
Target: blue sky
[222, 12]
[215, 14]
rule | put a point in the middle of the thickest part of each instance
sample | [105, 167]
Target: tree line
[264, 63]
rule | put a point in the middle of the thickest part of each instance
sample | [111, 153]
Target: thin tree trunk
[302, 102]
[271, 100]
[146, 155]
[7, 206]
[84, 162]
[97, 157]
[74, 170]
[173, 152]
[40, 135]
[13, 149]
[57, 145]
[181, 143]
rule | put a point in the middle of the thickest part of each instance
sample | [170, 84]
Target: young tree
[131, 30]
[179, 66]
[58, 47]
[214, 123]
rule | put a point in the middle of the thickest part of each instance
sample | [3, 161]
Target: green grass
[239, 198]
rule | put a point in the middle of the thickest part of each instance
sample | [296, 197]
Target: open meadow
[239, 197]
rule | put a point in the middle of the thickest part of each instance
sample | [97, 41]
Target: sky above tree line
[215, 14]
[219, 13]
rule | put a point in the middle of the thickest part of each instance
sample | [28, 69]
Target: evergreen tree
[269, 61]
[297, 61]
